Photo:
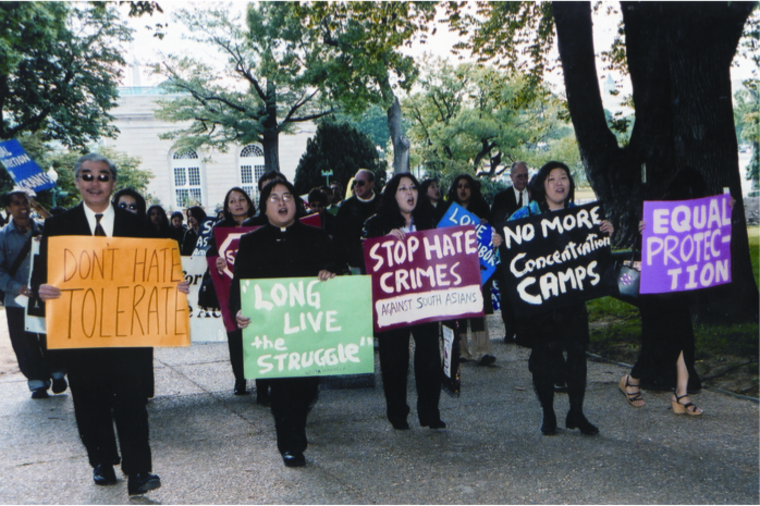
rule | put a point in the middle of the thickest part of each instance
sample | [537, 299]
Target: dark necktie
[99, 229]
[519, 201]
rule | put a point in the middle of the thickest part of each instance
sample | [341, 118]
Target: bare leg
[682, 379]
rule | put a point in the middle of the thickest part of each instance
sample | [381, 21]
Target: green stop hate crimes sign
[306, 327]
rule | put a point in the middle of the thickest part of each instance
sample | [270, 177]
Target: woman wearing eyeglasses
[282, 248]
[400, 213]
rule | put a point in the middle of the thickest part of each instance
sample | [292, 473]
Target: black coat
[269, 252]
[348, 229]
[133, 364]
[504, 204]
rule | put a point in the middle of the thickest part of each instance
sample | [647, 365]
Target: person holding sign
[559, 330]
[667, 335]
[107, 384]
[400, 213]
[283, 248]
[238, 207]
[465, 191]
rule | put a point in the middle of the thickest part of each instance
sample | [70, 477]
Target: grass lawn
[615, 329]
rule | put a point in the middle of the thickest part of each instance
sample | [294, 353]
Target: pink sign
[686, 244]
[227, 240]
[429, 276]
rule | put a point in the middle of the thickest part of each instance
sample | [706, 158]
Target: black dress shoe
[486, 360]
[40, 393]
[574, 421]
[294, 459]
[437, 424]
[59, 385]
[142, 483]
[549, 425]
[103, 475]
[241, 387]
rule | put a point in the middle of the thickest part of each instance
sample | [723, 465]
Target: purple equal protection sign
[686, 244]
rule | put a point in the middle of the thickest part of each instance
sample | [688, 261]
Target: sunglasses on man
[359, 182]
[88, 178]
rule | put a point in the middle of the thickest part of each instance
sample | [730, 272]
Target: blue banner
[488, 256]
[24, 171]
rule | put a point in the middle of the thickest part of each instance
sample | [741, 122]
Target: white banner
[205, 326]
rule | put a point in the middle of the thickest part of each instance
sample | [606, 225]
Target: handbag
[207, 292]
[628, 276]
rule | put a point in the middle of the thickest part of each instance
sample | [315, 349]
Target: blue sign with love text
[24, 171]
[457, 215]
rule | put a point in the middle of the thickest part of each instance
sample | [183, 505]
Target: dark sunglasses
[87, 177]
[360, 182]
[131, 207]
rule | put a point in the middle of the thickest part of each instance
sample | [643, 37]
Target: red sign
[228, 239]
[429, 276]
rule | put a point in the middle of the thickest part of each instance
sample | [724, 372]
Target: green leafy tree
[678, 55]
[277, 71]
[60, 64]
[479, 120]
[362, 43]
[341, 149]
[747, 117]
[373, 122]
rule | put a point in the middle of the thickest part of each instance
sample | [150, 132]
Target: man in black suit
[107, 384]
[504, 204]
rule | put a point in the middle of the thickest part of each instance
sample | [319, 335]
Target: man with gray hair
[107, 384]
[350, 219]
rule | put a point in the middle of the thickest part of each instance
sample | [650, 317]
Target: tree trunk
[679, 56]
[400, 142]
[271, 136]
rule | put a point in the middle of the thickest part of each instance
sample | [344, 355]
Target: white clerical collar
[106, 221]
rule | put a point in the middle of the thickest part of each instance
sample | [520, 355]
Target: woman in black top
[159, 223]
[238, 207]
[400, 213]
[282, 248]
[465, 191]
[195, 216]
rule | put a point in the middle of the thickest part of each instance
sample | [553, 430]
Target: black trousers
[109, 386]
[290, 398]
[34, 360]
[394, 367]
[666, 331]
[235, 345]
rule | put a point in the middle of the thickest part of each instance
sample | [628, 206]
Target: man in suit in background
[504, 204]
[107, 384]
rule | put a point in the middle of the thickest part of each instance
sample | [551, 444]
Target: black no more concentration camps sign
[556, 259]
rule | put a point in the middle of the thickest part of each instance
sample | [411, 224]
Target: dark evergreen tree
[342, 149]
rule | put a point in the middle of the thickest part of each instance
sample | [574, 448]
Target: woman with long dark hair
[195, 216]
[238, 207]
[559, 330]
[399, 214]
[284, 248]
[465, 191]
[159, 223]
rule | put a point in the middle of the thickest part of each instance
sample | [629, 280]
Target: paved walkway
[210, 447]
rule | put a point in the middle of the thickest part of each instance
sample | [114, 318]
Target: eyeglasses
[276, 199]
[88, 178]
[360, 182]
[131, 207]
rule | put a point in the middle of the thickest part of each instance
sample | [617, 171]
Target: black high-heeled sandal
[683, 409]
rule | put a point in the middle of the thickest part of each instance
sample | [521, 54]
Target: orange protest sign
[115, 292]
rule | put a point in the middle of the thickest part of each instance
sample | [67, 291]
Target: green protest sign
[305, 327]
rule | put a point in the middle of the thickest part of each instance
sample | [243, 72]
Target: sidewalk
[210, 447]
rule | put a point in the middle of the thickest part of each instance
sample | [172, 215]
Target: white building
[184, 179]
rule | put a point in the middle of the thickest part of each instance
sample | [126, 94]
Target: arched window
[251, 169]
[188, 185]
